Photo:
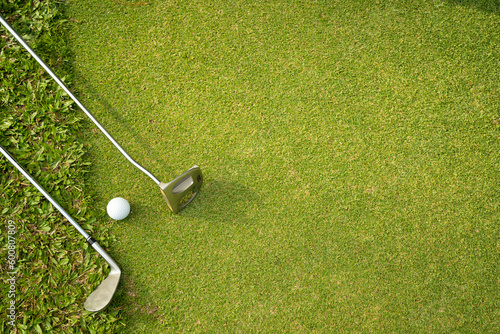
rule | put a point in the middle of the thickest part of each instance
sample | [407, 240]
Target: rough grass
[52, 270]
[350, 152]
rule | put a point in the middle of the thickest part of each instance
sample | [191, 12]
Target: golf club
[103, 294]
[178, 193]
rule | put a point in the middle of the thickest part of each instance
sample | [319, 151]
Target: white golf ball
[118, 208]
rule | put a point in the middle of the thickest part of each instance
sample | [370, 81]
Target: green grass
[350, 153]
[54, 269]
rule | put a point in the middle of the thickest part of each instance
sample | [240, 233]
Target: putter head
[183, 189]
[102, 295]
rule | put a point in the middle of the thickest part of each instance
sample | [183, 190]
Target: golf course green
[350, 153]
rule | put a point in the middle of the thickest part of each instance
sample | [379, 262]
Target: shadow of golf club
[226, 198]
[489, 6]
[217, 200]
[134, 137]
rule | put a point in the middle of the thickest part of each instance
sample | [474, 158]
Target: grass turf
[48, 269]
[350, 152]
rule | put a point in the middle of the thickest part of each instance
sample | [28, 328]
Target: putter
[103, 294]
[178, 193]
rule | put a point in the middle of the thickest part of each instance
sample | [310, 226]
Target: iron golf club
[176, 191]
[103, 294]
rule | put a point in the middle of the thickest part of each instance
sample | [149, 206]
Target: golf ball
[118, 208]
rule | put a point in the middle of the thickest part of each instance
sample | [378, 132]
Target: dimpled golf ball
[118, 208]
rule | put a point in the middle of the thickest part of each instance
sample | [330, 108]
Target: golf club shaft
[61, 84]
[87, 237]
[44, 193]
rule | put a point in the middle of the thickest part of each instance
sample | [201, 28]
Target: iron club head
[183, 189]
[102, 295]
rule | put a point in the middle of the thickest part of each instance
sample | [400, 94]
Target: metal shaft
[44, 193]
[61, 84]
[87, 237]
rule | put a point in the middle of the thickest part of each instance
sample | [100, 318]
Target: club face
[103, 294]
[183, 189]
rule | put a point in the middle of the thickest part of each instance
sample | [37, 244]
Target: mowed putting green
[350, 153]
